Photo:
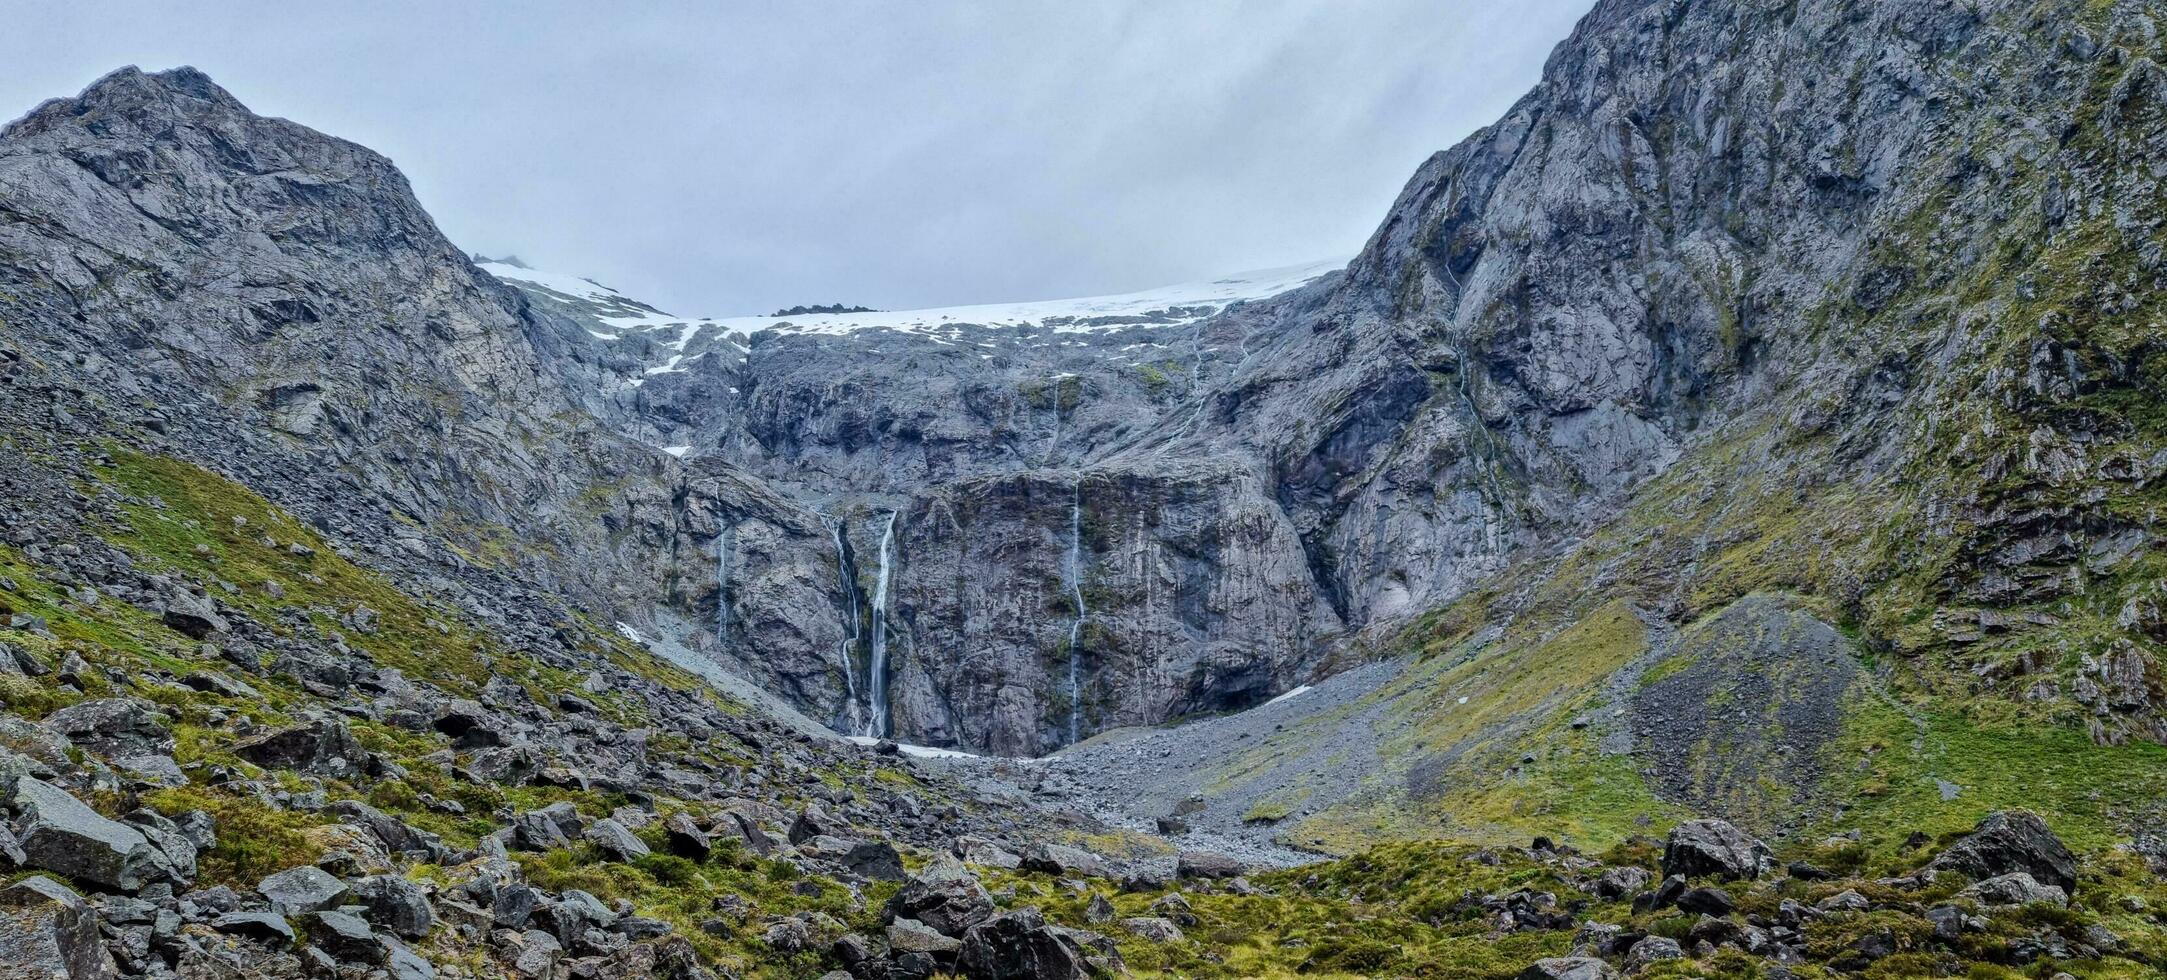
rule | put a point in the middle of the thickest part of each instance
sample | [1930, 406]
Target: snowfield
[1165, 306]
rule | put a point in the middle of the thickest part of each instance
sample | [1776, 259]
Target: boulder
[47, 930]
[395, 904]
[2014, 888]
[1569, 968]
[347, 937]
[57, 832]
[874, 859]
[945, 896]
[1618, 882]
[684, 838]
[1714, 848]
[1153, 928]
[322, 747]
[469, 725]
[1707, 901]
[907, 935]
[255, 925]
[983, 852]
[746, 829]
[299, 891]
[1653, 949]
[397, 836]
[552, 826]
[1021, 946]
[1060, 859]
[815, 822]
[193, 615]
[1204, 864]
[113, 728]
[618, 843]
[2010, 841]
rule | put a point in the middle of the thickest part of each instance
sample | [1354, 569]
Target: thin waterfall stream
[1074, 573]
[846, 579]
[722, 586]
[877, 672]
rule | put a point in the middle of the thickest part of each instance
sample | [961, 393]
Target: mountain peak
[131, 91]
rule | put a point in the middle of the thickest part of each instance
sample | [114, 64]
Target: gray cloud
[727, 158]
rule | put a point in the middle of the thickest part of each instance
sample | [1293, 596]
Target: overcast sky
[723, 158]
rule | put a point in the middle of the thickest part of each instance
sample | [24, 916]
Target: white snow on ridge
[1197, 299]
[572, 286]
[1165, 306]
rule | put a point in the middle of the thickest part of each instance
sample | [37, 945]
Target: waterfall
[1073, 571]
[846, 579]
[877, 674]
[722, 586]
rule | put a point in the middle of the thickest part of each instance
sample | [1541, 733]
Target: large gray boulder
[113, 727]
[945, 896]
[1061, 859]
[2014, 888]
[48, 931]
[1714, 848]
[2009, 841]
[395, 904]
[1021, 946]
[298, 891]
[193, 615]
[321, 747]
[1568, 968]
[58, 833]
[615, 841]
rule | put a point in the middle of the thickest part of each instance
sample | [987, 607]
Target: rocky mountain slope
[1760, 422]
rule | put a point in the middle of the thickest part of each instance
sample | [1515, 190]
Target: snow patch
[917, 751]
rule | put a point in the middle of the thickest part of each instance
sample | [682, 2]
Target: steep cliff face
[1866, 297]
[273, 303]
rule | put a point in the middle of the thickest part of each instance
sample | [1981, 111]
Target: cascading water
[846, 579]
[722, 586]
[1073, 570]
[877, 673]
